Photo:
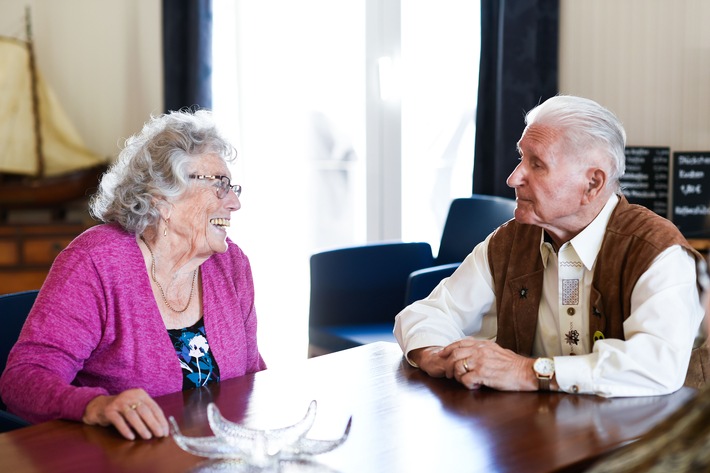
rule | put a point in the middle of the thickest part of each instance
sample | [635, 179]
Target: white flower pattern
[198, 346]
[193, 351]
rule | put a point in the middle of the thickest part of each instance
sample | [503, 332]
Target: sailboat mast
[35, 98]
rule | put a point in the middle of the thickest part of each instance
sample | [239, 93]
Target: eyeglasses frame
[236, 188]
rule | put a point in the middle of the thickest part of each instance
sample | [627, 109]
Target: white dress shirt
[666, 313]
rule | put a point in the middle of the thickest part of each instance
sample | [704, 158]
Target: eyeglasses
[223, 186]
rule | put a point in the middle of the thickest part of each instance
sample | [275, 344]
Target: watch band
[543, 383]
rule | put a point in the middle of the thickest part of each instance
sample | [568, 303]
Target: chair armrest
[420, 283]
[10, 422]
[341, 337]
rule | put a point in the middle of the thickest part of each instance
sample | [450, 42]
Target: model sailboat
[43, 161]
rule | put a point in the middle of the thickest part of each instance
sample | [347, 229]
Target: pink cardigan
[95, 328]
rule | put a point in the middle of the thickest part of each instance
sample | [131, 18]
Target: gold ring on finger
[465, 365]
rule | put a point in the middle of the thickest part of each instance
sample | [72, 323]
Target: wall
[646, 60]
[102, 58]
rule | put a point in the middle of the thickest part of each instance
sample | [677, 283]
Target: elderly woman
[155, 300]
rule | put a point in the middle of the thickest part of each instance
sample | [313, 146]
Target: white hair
[586, 125]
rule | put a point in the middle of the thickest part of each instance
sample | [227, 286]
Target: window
[294, 90]
[440, 56]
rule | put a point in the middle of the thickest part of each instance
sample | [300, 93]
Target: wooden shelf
[700, 244]
[28, 250]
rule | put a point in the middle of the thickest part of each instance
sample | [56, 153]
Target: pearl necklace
[162, 292]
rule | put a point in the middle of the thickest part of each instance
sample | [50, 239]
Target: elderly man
[582, 292]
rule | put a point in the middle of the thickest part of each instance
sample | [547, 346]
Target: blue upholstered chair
[357, 291]
[10, 422]
[13, 312]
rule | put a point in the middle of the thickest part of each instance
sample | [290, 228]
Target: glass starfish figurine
[260, 448]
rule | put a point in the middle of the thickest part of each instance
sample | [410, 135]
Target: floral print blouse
[198, 366]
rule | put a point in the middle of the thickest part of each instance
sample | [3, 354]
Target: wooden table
[403, 421]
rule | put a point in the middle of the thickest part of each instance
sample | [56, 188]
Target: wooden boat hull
[21, 192]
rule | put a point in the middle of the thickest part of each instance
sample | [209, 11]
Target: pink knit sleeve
[60, 333]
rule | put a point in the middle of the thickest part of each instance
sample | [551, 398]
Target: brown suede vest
[632, 240]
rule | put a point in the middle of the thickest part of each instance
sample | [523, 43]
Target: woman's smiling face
[199, 215]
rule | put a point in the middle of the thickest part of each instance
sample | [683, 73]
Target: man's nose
[514, 179]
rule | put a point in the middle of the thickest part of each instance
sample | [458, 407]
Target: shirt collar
[588, 242]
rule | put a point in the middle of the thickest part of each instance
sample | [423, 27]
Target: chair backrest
[469, 222]
[14, 309]
[362, 285]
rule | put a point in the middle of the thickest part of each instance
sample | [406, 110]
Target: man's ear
[596, 182]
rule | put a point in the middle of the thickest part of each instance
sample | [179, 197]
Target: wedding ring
[465, 365]
[134, 406]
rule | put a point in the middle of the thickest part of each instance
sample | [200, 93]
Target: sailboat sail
[62, 149]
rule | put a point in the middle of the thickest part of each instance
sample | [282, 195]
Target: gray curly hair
[153, 165]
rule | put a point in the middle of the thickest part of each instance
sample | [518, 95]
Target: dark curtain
[187, 54]
[518, 70]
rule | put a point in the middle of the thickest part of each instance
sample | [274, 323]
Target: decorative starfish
[257, 447]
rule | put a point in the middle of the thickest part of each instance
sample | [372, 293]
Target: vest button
[570, 311]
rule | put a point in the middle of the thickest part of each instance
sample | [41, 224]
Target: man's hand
[428, 360]
[475, 363]
[132, 411]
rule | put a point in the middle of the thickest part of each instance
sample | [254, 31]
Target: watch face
[544, 366]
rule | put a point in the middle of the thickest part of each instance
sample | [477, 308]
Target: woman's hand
[132, 411]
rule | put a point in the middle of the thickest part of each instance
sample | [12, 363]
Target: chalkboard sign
[691, 193]
[646, 180]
